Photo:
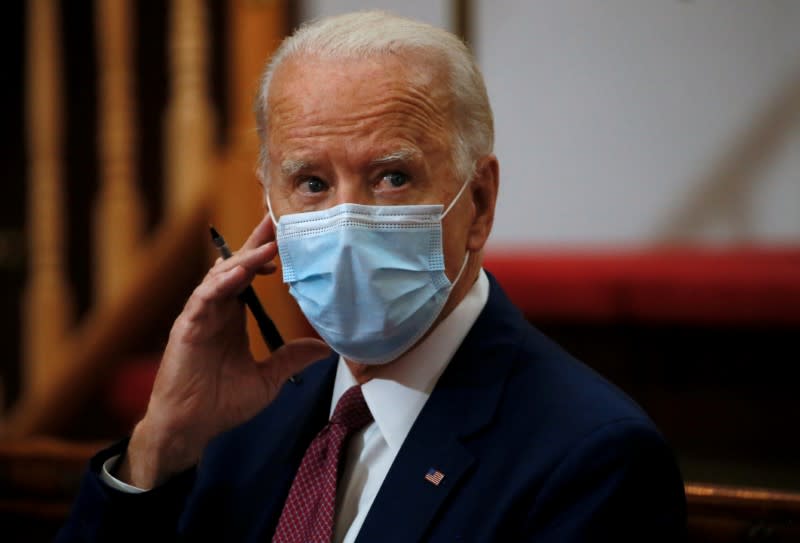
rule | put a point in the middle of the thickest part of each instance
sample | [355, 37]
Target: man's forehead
[374, 109]
[307, 82]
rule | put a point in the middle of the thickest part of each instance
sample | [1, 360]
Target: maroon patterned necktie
[307, 516]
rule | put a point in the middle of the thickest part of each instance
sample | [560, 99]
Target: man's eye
[396, 179]
[314, 184]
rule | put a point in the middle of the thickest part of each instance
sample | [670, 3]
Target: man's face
[371, 131]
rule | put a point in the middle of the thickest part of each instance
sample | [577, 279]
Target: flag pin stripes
[434, 476]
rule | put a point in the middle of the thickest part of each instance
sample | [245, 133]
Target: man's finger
[215, 289]
[251, 259]
[261, 234]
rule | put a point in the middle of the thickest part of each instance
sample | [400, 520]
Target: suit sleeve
[101, 513]
[621, 483]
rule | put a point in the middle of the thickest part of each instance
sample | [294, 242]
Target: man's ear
[483, 190]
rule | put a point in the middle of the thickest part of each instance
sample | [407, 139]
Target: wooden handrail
[71, 364]
[111, 331]
[726, 514]
[707, 495]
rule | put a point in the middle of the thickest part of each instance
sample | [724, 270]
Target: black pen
[270, 334]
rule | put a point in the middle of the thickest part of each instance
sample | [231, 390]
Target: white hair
[370, 33]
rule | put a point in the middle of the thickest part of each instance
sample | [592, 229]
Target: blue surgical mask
[370, 279]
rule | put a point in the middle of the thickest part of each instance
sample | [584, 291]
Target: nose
[352, 190]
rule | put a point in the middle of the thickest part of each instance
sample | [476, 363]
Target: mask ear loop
[271, 215]
[461, 271]
[446, 211]
[453, 202]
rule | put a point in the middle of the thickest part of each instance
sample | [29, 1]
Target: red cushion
[129, 389]
[752, 286]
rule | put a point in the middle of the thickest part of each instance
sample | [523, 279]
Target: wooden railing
[137, 279]
[59, 363]
[723, 514]
[111, 330]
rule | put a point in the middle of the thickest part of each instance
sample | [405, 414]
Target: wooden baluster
[48, 307]
[189, 117]
[119, 215]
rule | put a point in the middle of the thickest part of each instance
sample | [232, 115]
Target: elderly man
[441, 415]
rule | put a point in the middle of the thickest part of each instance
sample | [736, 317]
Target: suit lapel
[464, 401]
[404, 513]
[306, 406]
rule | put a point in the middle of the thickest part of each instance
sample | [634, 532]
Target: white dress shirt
[395, 396]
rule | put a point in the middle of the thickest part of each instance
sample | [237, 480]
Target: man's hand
[208, 381]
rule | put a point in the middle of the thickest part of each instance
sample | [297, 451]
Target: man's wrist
[153, 457]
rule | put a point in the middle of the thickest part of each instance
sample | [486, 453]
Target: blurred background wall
[616, 120]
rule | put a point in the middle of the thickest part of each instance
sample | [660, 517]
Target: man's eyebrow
[290, 167]
[401, 155]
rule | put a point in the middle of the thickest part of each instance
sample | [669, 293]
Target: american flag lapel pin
[434, 476]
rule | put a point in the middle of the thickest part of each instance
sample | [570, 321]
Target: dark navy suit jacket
[533, 445]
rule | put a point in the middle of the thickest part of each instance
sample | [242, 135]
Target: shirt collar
[399, 390]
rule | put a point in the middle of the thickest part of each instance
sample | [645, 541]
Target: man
[451, 419]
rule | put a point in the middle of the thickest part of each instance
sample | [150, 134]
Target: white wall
[611, 115]
[435, 12]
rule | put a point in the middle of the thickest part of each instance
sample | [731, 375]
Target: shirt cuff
[113, 482]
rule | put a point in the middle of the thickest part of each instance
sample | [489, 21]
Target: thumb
[293, 357]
